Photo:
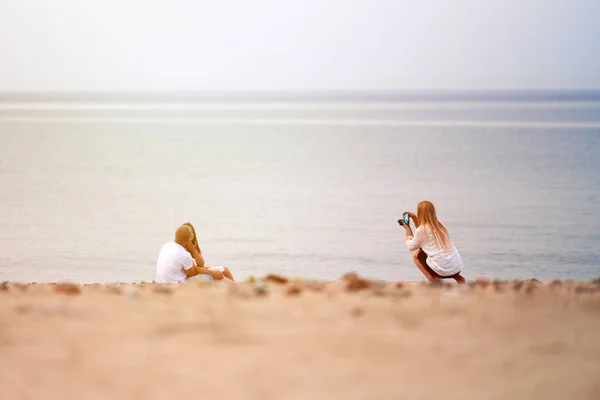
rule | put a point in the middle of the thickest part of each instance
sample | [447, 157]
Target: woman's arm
[411, 242]
[200, 268]
[194, 250]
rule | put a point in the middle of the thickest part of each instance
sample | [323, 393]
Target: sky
[307, 45]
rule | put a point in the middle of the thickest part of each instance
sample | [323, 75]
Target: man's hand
[218, 275]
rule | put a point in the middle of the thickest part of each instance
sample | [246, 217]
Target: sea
[306, 185]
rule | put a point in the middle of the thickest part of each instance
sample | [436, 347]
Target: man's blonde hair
[183, 234]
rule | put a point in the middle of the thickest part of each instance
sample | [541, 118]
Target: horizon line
[589, 94]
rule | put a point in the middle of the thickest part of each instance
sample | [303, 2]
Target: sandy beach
[347, 339]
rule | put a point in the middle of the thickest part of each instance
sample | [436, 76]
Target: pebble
[354, 283]
[20, 286]
[498, 286]
[67, 288]
[293, 290]
[581, 289]
[349, 276]
[518, 285]
[481, 282]
[260, 289]
[276, 279]
[530, 286]
[4, 286]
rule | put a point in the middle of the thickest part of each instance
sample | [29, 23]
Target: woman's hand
[189, 246]
[218, 275]
[412, 216]
[406, 227]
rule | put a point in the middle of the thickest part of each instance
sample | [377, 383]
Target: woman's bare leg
[420, 259]
[459, 279]
[227, 274]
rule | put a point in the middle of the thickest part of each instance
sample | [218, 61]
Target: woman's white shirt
[446, 261]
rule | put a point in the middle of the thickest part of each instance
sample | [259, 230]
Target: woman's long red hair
[426, 215]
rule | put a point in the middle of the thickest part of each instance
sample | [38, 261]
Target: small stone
[354, 283]
[533, 280]
[518, 285]
[357, 312]
[67, 288]
[596, 281]
[399, 285]
[20, 286]
[581, 289]
[498, 286]
[4, 286]
[481, 282]
[260, 289]
[161, 289]
[251, 279]
[357, 284]
[350, 276]
[530, 287]
[436, 283]
[293, 290]
[556, 282]
[276, 279]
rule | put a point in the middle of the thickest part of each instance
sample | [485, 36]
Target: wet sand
[347, 339]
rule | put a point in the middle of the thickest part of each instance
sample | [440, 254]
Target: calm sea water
[90, 191]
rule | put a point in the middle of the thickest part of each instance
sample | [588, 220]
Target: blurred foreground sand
[300, 340]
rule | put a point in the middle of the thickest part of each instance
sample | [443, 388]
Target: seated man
[180, 259]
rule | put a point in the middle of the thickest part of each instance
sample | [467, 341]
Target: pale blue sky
[301, 45]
